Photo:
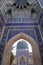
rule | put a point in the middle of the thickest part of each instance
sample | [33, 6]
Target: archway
[8, 46]
[22, 60]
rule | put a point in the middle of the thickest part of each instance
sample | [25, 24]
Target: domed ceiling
[22, 45]
[22, 2]
[20, 8]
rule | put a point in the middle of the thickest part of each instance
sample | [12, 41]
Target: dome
[22, 45]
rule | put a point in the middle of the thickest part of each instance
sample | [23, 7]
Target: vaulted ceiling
[31, 1]
[5, 4]
[17, 3]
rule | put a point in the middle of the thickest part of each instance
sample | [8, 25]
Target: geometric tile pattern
[31, 27]
[12, 29]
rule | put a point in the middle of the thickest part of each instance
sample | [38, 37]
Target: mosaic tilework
[1, 52]
[41, 24]
[11, 29]
[20, 24]
[40, 17]
[40, 3]
[21, 19]
[1, 24]
[41, 33]
[14, 32]
[27, 26]
[4, 37]
[1, 18]
[38, 35]
[41, 52]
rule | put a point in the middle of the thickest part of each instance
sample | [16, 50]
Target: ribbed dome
[22, 45]
[21, 4]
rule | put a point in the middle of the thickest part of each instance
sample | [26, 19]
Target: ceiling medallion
[21, 4]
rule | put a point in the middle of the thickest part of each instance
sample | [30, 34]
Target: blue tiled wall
[12, 29]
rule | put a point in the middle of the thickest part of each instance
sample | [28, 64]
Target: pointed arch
[21, 59]
[8, 47]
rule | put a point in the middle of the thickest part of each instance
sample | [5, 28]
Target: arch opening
[21, 45]
[22, 52]
[8, 47]
[22, 60]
